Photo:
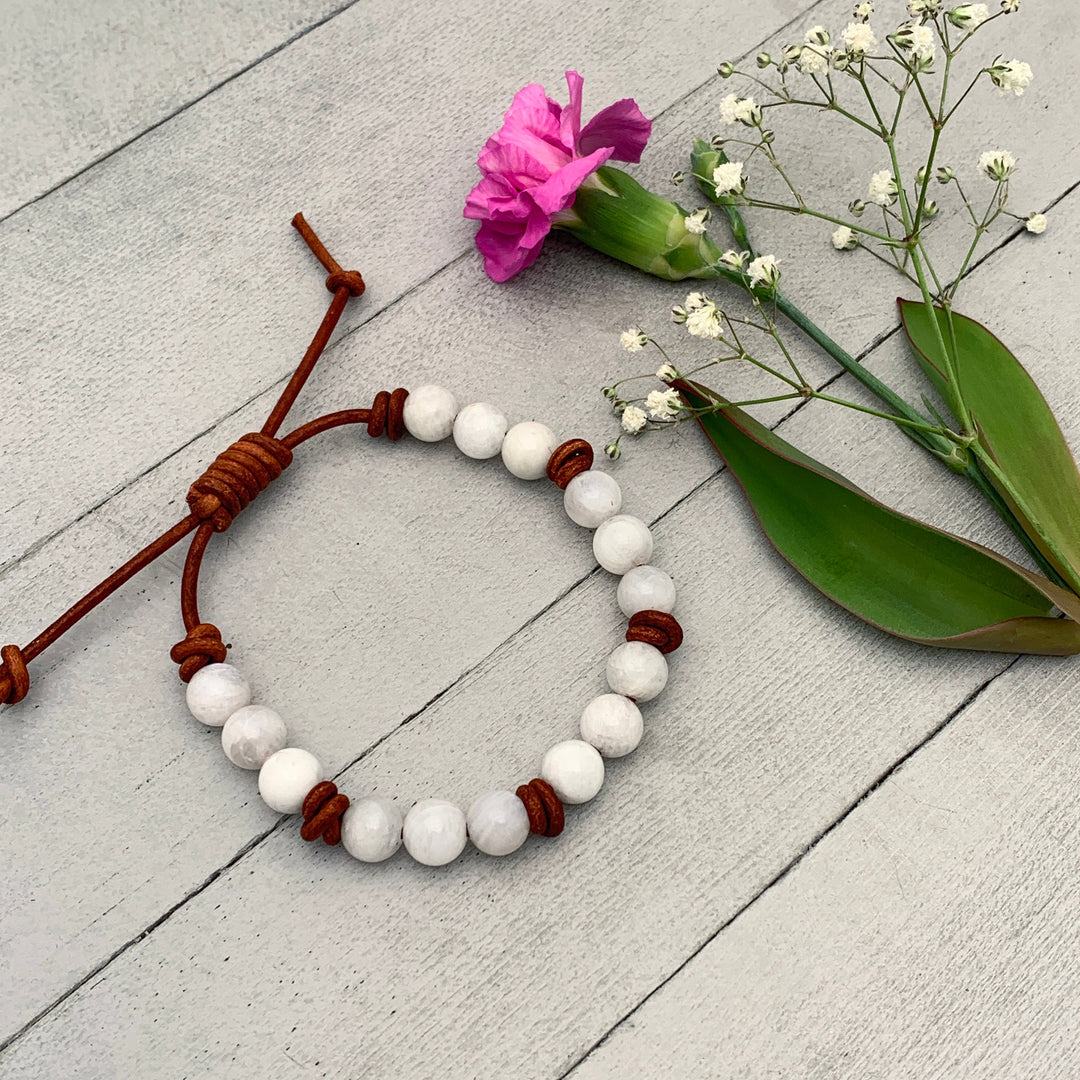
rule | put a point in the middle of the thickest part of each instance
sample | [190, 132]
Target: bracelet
[291, 780]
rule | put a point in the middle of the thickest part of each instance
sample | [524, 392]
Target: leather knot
[14, 678]
[201, 646]
[388, 414]
[569, 459]
[346, 279]
[655, 628]
[545, 810]
[322, 811]
[236, 477]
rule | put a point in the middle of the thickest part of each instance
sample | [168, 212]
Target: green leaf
[893, 571]
[1030, 463]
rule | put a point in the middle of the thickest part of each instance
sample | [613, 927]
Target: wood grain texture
[82, 80]
[404, 571]
[370, 124]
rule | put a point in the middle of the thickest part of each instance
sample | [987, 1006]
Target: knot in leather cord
[388, 414]
[237, 475]
[322, 810]
[201, 646]
[655, 628]
[545, 810]
[569, 459]
[14, 678]
[347, 279]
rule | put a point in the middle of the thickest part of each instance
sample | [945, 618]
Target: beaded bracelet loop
[291, 780]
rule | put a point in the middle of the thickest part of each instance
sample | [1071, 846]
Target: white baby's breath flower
[704, 321]
[1008, 75]
[882, 188]
[813, 60]
[634, 339]
[734, 260]
[739, 110]
[1009, 6]
[1035, 223]
[968, 16]
[863, 10]
[633, 419]
[859, 39]
[997, 164]
[764, 271]
[916, 39]
[695, 300]
[663, 404]
[666, 373]
[845, 239]
[697, 221]
[728, 179]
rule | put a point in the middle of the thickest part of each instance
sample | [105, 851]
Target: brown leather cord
[545, 809]
[572, 457]
[655, 628]
[322, 810]
[224, 489]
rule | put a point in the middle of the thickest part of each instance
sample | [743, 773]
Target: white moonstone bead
[429, 413]
[434, 832]
[527, 448]
[612, 723]
[637, 670]
[621, 543]
[574, 769]
[479, 430]
[645, 588]
[216, 692]
[592, 497]
[252, 734]
[371, 829]
[286, 777]
[498, 823]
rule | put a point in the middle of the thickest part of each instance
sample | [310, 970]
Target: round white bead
[252, 734]
[286, 777]
[479, 430]
[371, 829]
[621, 543]
[429, 413]
[498, 823]
[637, 670]
[592, 497]
[645, 588]
[612, 723]
[527, 449]
[215, 692]
[574, 769]
[434, 832]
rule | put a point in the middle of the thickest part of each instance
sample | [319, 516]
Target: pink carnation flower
[534, 164]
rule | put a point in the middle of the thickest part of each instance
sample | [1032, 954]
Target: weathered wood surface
[237, 948]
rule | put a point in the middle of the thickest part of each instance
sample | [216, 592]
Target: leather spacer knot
[201, 646]
[236, 476]
[346, 279]
[322, 810]
[567, 460]
[655, 628]
[545, 810]
[14, 678]
[388, 414]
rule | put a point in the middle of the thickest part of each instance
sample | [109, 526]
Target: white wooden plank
[80, 82]
[933, 934]
[174, 257]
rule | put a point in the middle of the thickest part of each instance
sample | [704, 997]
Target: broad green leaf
[1016, 428]
[891, 570]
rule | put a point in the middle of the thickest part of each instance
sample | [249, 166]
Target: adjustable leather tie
[235, 477]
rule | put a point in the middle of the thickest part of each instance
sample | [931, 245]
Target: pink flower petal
[621, 126]
[570, 121]
[558, 191]
[503, 254]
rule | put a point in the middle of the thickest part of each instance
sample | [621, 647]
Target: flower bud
[930, 209]
[792, 53]
[1009, 6]
[944, 174]
[856, 207]
[726, 70]
[764, 60]
[817, 35]
[767, 136]
[920, 176]
[613, 450]
[717, 142]
[678, 315]
[968, 16]
[841, 61]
